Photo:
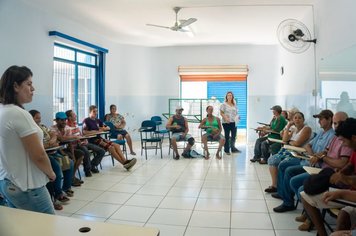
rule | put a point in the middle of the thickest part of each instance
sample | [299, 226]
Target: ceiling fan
[294, 36]
[178, 25]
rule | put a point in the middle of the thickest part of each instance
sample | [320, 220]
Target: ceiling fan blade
[183, 30]
[160, 26]
[185, 23]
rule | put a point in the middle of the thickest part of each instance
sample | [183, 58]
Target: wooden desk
[276, 140]
[294, 148]
[312, 170]
[15, 222]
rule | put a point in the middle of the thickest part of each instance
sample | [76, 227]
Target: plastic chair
[113, 138]
[149, 139]
[211, 143]
[159, 132]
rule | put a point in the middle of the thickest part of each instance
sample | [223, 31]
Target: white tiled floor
[185, 197]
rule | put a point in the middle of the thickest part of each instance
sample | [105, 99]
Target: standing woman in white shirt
[228, 112]
[24, 166]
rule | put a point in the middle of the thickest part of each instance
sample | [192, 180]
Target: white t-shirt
[15, 163]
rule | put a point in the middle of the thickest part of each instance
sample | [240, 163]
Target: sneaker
[94, 170]
[227, 153]
[88, 174]
[76, 182]
[130, 164]
[276, 195]
[235, 150]
[255, 159]
[283, 208]
[186, 154]
[262, 162]
[69, 193]
[271, 189]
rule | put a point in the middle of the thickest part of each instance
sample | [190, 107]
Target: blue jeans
[296, 183]
[37, 199]
[55, 187]
[68, 176]
[282, 166]
[286, 191]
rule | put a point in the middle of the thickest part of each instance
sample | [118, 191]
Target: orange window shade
[213, 73]
[187, 78]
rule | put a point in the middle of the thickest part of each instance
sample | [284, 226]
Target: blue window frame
[75, 79]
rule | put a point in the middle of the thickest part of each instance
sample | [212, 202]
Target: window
[74, 80]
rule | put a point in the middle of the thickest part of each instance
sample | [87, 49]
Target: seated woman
[119, 123]
[55, 188]
[92, 126]
[296, 133]
[213, 128]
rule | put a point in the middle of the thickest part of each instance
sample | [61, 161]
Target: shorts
[211, 137]
[278, 157]
[178, 137]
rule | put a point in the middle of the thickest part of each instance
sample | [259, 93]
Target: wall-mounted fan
[178, 25]
[294, 36]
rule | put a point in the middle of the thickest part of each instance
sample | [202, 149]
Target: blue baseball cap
[61, 115]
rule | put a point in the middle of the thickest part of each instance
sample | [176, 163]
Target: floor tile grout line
[196, 201]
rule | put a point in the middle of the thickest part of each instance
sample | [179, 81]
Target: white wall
[335, 26]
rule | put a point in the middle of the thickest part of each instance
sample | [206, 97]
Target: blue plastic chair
[113, 137]
[149, 139]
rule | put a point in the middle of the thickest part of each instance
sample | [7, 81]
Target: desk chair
[149, 139]
[158, 131]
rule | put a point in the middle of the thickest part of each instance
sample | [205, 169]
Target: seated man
[178, 125]
[119, 123]
[263, 147]
[93, 126]
[73, 130]
[60, 128]
[213, 128]
[347, 132]
[291, 166]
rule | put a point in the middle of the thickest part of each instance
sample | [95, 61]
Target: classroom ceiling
[219, 22]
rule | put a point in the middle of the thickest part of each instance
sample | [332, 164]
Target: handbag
[64, 162]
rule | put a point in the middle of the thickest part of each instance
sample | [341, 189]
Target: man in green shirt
[264, 147]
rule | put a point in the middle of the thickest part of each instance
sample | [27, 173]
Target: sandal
[57, 206]
[133, 153]
[63, 198]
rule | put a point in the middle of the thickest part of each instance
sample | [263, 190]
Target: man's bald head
[339, 117]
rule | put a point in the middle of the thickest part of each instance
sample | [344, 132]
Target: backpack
[195, 154]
